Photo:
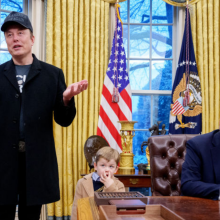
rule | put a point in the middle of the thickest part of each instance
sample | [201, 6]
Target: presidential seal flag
[186, 106]
[116, 94]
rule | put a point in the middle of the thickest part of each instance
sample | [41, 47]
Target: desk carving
[134, 181]
[102, 198]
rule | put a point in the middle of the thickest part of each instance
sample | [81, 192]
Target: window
[6, 6]
[149, 45]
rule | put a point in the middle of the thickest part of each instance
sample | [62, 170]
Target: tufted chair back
[167, 154]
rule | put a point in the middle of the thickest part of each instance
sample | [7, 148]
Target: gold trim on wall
[113, 1]
[180, 4]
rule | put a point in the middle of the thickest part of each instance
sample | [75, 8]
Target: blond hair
[107, 153]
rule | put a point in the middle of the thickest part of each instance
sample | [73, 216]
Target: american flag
[178, 108]
[116, 77]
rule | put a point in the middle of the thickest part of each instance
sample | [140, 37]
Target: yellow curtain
[77, 42]
[205, 30]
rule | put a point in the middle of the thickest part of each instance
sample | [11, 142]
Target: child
[103, 180]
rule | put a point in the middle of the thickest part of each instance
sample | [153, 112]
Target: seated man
[201, 169]
[106, 164]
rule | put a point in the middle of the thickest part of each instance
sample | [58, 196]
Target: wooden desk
[189, 208]
[136, 179]
[186, 207]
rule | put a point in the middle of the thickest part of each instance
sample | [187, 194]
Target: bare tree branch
[139, 36]
[14, 4]
[156, 17]
[139, 66]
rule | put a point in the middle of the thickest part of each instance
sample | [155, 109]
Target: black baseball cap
[17, 17]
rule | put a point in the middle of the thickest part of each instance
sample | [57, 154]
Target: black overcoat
[42, 100]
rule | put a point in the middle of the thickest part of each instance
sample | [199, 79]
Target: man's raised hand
[74, 89]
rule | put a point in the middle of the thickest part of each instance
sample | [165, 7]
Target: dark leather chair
[167, 154]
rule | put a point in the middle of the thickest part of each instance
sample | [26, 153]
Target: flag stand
[127, 133]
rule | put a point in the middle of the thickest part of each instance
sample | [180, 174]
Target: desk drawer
[135, 181]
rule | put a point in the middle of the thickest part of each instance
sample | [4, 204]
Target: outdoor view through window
[6, 6]
[148, 39]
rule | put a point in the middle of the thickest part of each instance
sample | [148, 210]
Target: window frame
[174, 57]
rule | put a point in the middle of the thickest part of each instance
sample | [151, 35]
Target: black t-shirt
[21, 75]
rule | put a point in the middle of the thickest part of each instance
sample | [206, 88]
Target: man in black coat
[31, 92]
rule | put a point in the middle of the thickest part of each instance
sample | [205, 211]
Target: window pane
[4, 56]
[125, 39]
[12, 5]
[139, 11]
[161, 41]
[138, 139]
[139, 75]
[124, 11]
[139, 41]
[150, 69]
[2, 37]
[161, 12]
[161, 112]
[161, 75]
[141, 111]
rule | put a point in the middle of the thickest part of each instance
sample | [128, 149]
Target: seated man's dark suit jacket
[201, 169]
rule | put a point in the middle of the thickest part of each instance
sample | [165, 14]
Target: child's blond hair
[107, 153]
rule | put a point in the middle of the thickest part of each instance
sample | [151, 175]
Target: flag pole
[186, 99]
